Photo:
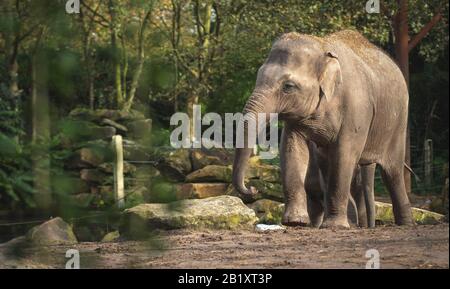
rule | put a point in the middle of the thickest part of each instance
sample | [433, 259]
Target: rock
[162, 191]
[200, 190]
[103, 132]
[98, 144]
[268, 211]
[105, 193]
[74, 132]
[201, 158]
[136, 153]
[96, 115]
[175, 165]
[266, 190]
[220, 173]
[146, 172]
[140, 129]
[53, 232]
[92, 175]
[272, 191]
[121, 129]
[211, 173]
[109, 168]
[136, 195]
[254, 161]
[86, 157]
[267, 173]
[224, 212]
[385, 214]
[111, 237]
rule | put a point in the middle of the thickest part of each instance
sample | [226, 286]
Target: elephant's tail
[412, 172]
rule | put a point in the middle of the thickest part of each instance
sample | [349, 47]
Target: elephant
[350, 98]
[361, 206]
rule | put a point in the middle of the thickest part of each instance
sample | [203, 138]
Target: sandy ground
[399, 247]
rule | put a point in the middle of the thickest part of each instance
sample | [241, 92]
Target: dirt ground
[399, 247]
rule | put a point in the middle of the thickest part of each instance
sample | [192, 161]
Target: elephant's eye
[289, 86]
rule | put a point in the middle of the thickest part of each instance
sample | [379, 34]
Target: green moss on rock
[223, 212]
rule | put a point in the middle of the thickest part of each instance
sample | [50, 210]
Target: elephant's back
[378, 69]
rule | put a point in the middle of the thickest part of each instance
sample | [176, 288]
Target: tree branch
[95, 13]
[424, 31]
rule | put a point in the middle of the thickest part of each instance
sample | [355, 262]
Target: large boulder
[53, 232]
[224, 212]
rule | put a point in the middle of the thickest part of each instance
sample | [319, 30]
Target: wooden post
[428, 162]
[119, 188]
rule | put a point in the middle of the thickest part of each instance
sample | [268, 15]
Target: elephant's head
[296, 78]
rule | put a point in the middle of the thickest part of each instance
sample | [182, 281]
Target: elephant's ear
[331, 75]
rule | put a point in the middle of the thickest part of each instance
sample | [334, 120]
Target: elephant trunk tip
[242, 189]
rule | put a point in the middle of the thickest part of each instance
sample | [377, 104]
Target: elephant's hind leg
[394, 181]
[316, 210]
[367, 178]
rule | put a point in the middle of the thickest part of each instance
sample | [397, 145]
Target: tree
[403, 45]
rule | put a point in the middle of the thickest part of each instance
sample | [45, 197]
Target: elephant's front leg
[342, 162]
[294, 155]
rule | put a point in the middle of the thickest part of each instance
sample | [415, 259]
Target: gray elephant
[361, 205]
[348, 97]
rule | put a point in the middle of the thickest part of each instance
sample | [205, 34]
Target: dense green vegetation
[160, 57]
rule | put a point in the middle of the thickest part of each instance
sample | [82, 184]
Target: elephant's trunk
[242, 155]
[239, 169]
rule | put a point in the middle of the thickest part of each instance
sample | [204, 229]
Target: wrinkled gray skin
[348, 97]
[361, 206]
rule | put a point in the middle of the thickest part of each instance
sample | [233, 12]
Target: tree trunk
[402, 57]
[141, 60]
[117, 101]
[40, 132]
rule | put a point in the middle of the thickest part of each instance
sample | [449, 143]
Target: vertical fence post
[428, 162]
[119, 187]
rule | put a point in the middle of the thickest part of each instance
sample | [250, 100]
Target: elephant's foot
[336, 222]
[403, 216]
[404, 221]
[295, 218]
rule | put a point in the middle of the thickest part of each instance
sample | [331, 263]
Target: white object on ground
[264, 227]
